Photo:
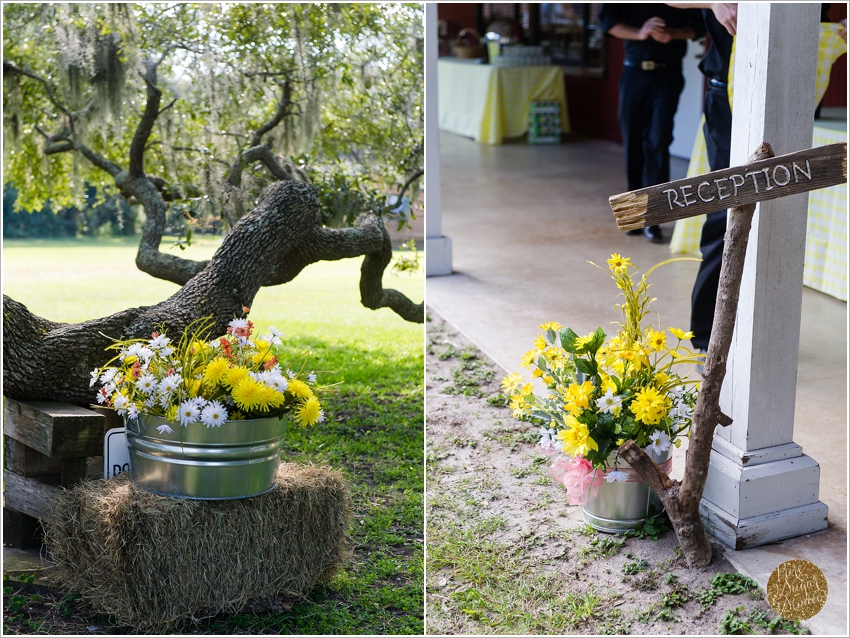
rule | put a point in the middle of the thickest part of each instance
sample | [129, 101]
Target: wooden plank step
[24, 460]
[29, 496]
[55, 428]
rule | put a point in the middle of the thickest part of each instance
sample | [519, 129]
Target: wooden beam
[29, 496]
[22, 459]
[54, 428]
[798, 172]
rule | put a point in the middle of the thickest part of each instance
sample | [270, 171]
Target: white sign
[116, 456]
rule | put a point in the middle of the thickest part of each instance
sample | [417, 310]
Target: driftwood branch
[682, 499]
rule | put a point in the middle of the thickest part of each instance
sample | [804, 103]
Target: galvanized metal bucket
[620, 507]
[235, 460]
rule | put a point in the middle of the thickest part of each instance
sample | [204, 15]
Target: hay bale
[153, 562]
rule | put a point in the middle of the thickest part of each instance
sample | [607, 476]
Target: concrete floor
[524, 220]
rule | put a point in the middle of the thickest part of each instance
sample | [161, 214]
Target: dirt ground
[507, 555]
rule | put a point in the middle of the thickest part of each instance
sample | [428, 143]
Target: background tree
[306, 115]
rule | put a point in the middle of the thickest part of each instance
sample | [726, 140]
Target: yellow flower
[518, 406]
[618, 262]
[526, 389]
[308, 413]
[171, 414]
[581, 341]
[607, 383]
[537, 372]
[576, 440]
[198, 347]
[248, 395]
[660, 379]
[232, 376]
[193, 386]
[215, 370]
[264, 352]
[649, 405]
[512, 382]
[548, 380]
[540, 343]
[271, 397]
[298, 388]
[681, 335]
[577, 397]
[529, 358]
[552, 324]
[655, 340]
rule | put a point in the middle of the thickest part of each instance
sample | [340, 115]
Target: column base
[759, 496]
[744, 533]
[438, 256]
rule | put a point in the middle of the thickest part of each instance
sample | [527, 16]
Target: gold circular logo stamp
[796, 590]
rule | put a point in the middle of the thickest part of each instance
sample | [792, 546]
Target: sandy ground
[507, 555]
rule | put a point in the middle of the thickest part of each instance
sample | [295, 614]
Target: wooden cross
[759, 181]
[763, 177]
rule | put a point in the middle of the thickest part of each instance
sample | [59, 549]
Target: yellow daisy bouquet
[231, 378]
[602, 391]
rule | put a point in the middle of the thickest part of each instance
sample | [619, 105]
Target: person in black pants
[650, 85]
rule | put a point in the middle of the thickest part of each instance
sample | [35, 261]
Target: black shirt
[634, 14]
[715, 64]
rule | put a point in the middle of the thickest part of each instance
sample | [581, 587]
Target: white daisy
[119, 402]
[607, 402]
[199, 402]
[102, 396]
[170, 383]
[238, 323]
[146, 383]
[164, 428]
[277, 381]
[659, 442]
[311, 378]
[616, 476]
[290, 373]
[548, 438]
[159, 342]
[188, 412]
[132, 412]
[274, 336]
[166, 351]
[214, 414]
[94, 376]
[108, 375]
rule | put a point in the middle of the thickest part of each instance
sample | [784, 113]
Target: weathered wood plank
[24, 460]
[789, 174]
[54, 428]
[29, 496]
[21, 531]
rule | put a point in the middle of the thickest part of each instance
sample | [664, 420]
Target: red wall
[593, 101]
[462, 13]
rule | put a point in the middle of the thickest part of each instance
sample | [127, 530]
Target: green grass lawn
[374, 431]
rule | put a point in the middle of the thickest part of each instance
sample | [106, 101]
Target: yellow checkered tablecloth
[490, 103]
[826, 231]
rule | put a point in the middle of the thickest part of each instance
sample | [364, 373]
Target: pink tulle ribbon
[578, 476]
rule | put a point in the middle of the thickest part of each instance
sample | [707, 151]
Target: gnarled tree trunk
[268, 246]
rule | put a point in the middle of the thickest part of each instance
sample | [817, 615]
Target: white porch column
[438, 249]
[760, 486]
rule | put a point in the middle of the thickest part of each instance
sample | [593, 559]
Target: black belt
[717, 83]
[647, 65]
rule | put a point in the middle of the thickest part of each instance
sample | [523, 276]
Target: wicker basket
[468, 50]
